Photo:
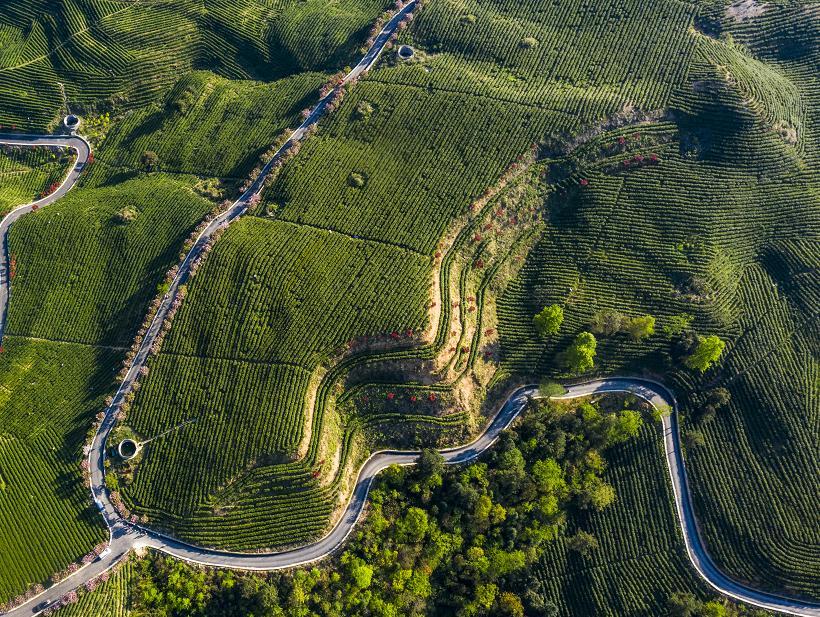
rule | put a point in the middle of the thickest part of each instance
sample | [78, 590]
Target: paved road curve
[125, 537]
[662, 398]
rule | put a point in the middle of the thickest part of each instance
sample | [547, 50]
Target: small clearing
[745, 9]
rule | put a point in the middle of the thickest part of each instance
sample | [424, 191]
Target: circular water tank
[406, 52]
[71, 122]
[128, 449]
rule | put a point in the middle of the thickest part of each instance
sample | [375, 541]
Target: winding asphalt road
[125, 536]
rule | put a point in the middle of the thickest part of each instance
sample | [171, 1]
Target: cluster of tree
[696, 352]
[610, 322]
[437, 540]
[684, 604]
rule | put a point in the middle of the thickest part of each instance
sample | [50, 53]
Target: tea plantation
[648, 169]
[27, 174]
[86, 268]
[118, 55]
[721, 229]
[421, 152]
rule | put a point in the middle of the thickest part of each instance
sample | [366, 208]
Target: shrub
[582, 543]
[363, 111]
[640, 327]
[357, 179]
[677, 324]
[606, 322]
[150, 160]
[125, 215]
[549, 388]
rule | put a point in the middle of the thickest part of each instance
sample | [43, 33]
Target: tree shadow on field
[119, 177]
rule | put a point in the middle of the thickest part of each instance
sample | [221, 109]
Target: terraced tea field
[49, 392]
[82, 275]
[116, 55]
[211, 126]
[27, 174]
[420, 152]
[86, 268]
[720, 229]
[76, 304]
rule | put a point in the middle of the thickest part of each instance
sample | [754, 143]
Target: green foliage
[356, 180]
[549, 388]
[549, 320]
[26, 173]
[112, 482]
[707, 351]
[150, 161]
[684, 604]
[126, 215]
[607, 322]
[412, 528]
[676, 324]
[694, 439]
[640, 327]
[580, 356]
[610, 322]
[583, 543]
